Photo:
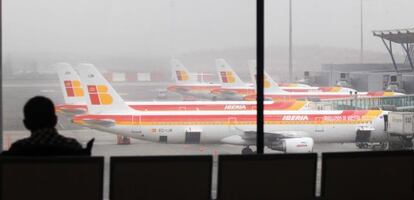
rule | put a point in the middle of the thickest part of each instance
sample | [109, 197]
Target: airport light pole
[172, 28]
[362, 31]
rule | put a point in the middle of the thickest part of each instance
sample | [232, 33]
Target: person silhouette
[40, 119]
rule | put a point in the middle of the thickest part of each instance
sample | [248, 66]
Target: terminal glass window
[177, 77]
[335, 55]
[163, 60]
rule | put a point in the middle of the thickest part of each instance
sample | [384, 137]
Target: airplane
[75, 102]
[287, 131]
[274, 92]
[232, 87]
[299, 87]
[73, 93]
[187, 85]
[294, 85]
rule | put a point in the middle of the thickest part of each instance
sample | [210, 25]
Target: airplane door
[232, 122]
[136, 124]
[192, 136]
[319, 128]
[363, 136]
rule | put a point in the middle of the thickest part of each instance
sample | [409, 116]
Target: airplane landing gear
[362, 145]
[373, 146]
[383, 146]
[123, 140]
[247, 150]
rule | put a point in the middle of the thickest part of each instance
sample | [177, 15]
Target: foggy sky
[144, 28]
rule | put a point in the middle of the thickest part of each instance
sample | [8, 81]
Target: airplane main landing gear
[373, 146]
[247, 150]
[123, 140]
[362, 145]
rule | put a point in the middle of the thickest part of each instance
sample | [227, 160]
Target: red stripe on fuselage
[345, 115]
[282, 105]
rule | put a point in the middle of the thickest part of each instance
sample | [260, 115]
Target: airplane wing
[182, 90]
[73, 111]
[275, 135]
[249, 137]
[100, 122]
[228, 92]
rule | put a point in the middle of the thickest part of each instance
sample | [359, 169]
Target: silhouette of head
[39, 113]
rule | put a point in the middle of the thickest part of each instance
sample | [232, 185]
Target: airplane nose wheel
[247, 150]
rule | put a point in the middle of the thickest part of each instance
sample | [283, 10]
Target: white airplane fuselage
[326, 127]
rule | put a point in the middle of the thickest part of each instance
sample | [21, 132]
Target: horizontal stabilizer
[100, 122]
[73, 111]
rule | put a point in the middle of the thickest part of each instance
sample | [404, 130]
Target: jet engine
[293, 145]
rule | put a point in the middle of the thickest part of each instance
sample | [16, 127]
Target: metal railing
[402, 103]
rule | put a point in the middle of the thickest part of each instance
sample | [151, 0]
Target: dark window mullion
[260, 76]
[1, 77]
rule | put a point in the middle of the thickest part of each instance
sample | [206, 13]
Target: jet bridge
[396, 103]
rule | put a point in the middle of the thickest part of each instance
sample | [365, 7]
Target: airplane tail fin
[228, 77]
[70, 84]
[270, 86]
[180, 73]
[100, 96]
